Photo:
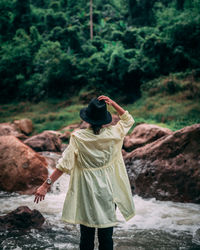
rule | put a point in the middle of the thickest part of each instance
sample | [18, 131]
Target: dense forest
[47, 50]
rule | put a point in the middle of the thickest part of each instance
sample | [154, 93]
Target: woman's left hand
[40, 193]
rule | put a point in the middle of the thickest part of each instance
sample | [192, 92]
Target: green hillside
[171, 102]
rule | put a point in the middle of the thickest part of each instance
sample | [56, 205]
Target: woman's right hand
[106, 99]
[40, 193]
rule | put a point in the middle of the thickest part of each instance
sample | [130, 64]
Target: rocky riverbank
[160, 163]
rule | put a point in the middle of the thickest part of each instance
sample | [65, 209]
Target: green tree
[15, 65]
[22, 14]
[6, 19]
[57, 69]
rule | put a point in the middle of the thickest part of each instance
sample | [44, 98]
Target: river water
[156, 225]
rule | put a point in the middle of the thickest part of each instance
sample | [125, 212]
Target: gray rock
[22, 218]
[45, 141]
[168, 168]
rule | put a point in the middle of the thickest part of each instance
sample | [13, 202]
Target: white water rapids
[156, 225]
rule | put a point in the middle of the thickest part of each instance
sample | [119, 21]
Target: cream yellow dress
[98, 178]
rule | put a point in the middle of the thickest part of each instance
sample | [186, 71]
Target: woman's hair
[96, 129]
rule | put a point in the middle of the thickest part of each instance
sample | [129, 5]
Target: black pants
[104, 237]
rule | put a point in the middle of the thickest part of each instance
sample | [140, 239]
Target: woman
[99, 179]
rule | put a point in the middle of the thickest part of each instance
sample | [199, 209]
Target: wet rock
[8, 128]
[45, 141]
[124, 153]
[196, 237]
[25, 125]
[143, 134]
[21, 169]
[168, 168]
[22, 218]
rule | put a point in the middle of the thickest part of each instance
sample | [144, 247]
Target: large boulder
[25, 125]
[8, 128]
[21, 169]
[168, 168]
[45, 141]
[143, 134]
[22, 218]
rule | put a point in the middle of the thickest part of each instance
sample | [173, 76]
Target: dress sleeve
[125, 123]
[67, 160]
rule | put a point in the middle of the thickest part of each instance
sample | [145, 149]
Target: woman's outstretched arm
[42, 190]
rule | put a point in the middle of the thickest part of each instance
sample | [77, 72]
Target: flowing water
[157, 224]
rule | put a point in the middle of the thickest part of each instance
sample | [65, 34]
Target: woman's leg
[87, 237]
[105, 238]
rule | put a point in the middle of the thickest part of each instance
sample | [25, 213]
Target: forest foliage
[46, 50]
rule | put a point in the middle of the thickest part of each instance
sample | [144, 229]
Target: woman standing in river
[99, 181]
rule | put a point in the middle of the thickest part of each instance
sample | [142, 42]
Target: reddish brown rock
[25, 125]
[143, 134]
[45, 141]
[168, 168]
[124, 153]
[8, 128]
[65, 136]
[22, 218]
[21, 169]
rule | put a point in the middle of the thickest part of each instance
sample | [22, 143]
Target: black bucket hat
[96, 113]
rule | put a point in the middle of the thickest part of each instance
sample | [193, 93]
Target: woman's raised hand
[119, 109]
[40, 193]
[106, 99]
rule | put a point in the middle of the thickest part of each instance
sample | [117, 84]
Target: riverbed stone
[22, 218]
[196, 236]
[8, 128]
[45, 141]
[21, 168]
[168, 168]
[25, 125]
[143, 134]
